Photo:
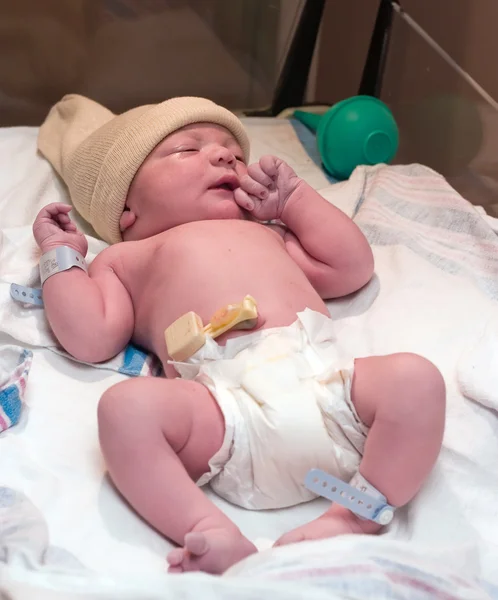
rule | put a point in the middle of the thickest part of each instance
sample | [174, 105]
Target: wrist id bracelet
[60, 259]
[54, 261]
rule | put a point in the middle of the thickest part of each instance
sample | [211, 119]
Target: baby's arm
[327, 245]
[322, 240]
[90, 314]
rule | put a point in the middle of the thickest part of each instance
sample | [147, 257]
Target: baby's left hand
[266, 188]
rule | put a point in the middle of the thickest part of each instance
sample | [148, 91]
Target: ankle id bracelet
[359, 496]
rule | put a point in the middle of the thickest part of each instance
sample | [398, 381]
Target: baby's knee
[111, 408]
[421, 385]
[423, 375]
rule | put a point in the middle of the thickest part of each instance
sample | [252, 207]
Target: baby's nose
[222, 156]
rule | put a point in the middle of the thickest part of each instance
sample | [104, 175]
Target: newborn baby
[193, 228]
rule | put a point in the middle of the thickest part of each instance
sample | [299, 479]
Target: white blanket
[346, 568]
[435, 292]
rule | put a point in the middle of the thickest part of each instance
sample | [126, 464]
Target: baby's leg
[157, 437]
[401, 397]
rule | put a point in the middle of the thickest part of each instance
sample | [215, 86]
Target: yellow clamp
[187, 334]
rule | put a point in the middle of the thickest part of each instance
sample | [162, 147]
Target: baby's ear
[127, 219]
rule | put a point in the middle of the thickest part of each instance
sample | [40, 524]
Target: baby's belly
[277, 311]
[277, 306]
[221, 273]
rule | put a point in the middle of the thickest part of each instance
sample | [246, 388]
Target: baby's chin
[226, 209]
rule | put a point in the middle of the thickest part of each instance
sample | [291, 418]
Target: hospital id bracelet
[60, 259]
[359, 496]
[54, 261]
[26, 295]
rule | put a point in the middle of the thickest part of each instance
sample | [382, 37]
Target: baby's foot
[331, 524]
[212, 551]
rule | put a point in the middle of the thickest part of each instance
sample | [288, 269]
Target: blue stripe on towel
[11, 403]
[133, 361]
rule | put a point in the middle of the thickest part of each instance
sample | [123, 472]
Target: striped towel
[357, 567]
[132, 361]
[415, 207]
[15, 363]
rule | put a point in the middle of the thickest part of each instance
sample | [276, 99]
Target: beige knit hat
[97, 153]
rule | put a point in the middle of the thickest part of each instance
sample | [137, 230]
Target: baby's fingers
[69, 227]
[252, 187]
[52, 213]
[63, 218]
[269, 164]
[244, 200]
[55, 209]
[256, 172]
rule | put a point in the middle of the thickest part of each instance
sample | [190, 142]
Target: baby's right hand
[53, 227]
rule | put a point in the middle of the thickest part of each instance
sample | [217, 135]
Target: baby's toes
[182, 560]
[293, 537]
[173, 570]
[175, 560]
[196, 543]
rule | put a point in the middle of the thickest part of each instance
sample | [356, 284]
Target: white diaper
[286, 399]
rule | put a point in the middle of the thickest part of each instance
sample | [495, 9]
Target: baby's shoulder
[121, 253]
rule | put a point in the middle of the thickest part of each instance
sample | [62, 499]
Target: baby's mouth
[228, 183]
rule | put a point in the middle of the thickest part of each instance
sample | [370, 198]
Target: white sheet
[434, 292]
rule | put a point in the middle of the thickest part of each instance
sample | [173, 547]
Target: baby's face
[190, 176]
